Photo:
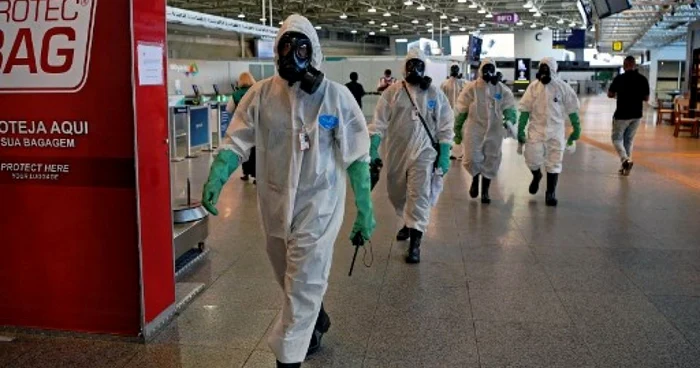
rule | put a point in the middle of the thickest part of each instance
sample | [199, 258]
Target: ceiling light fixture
[415, 21]
[428, 24]
[482, 25]
[401, 40]
[455, 19]
[343, 16]
[532, 10]
[545, 28]
[533, 25]
[372, 22]
[527, 5]
[443, 16]
[382, 30]
[395, 26]
[461, 1]
[430, 30]
[560, 21]
[281, 22]
[482, 11]
[383, 24]
[520, 23]
[372, 10]
[387, 14]
[371, 33]
[572, 25]
[489, 15]
[353, 31]
[408, 2]
[473, 6]
[537, 15]
[241, 15]
[318, 28]
[447, 28]
[263, 20]
[462, 29]
[421, 7]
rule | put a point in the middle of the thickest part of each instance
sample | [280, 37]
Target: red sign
[83, 166]
[45, 44]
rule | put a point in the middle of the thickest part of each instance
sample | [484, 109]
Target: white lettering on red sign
[45, 44]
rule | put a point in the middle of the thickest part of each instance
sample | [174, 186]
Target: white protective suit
[483, 132]
[301, 194]
[409, 155]
[549, 107]
[452, 87]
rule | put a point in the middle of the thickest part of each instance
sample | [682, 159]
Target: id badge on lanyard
[414, 114]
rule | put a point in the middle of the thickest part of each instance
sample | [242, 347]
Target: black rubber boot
[485, 184]
[245, 177]
[474, 189]
[323, 324]
[288, 365]
[535, 184]
[403, 234]
[550, 196]
[413, 256]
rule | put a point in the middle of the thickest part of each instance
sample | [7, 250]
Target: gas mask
[488, 74]
[454, 71]
[294, 53]
[544, 75]
[415, 74]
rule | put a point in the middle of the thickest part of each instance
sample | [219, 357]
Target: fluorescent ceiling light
[533, 25]
[473, 6]
[353, 31]
[387, 14]
[461, 1]
[263, 20]
[455, 19]
[560, 21]
[241, 15]
[537, 15]
[382, 30]
[482, 25]
[430, 30]
[428, 24]
[532, 10]
[372, 22]
[545, 28]
[527, 5]
[383, 24]
[482, 11]
[421, 7]
[446, 28]
[462, 29]
[395, 26]
[443, 16]
[372, 10]
[415, 21]
[520, 23]
[489, 15]
[343, 16]
[401, 40]
[408, 3]
[371, 33]
[318, 27]
[572, 25]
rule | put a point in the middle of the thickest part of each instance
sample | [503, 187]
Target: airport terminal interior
[609, 277]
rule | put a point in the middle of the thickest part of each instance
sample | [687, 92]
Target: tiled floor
[610, 278]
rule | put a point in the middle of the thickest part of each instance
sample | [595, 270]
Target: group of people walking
[310, 135]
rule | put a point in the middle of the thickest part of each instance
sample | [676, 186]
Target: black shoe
[245, 177]
[413, 256]
[474, 189]
[550, 196]
[403, 234]
[627, 167]
[323, 324]
[535, 184]
[288, 365]
[485, 184]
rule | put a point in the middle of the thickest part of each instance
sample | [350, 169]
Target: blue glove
[224, 165]
[444, 158]
[360, 181]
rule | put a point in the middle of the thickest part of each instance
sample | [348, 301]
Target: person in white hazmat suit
[546, 105]
[308, 132]
[452, 87]
[409, 153]
[484, 105]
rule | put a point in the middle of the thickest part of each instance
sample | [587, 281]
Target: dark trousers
[249, 166]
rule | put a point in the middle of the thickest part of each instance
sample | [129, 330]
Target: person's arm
[612, 91]
[572, 105]
[362, 90]
[353, 143]
[526, 104]
[445, 133]
[236, 147]
[380, 123]
[646, 92]
[464, 101]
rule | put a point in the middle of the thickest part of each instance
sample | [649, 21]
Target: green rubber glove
[524, 118]
[360, 181]
[224, 165]
[444, 158]
[375, 140]
[510, 115]
[576, 123]
[459, 123]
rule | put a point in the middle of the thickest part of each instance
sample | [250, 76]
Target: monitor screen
[606, 8]
[475, 44]
[584, 10]
[264, 49]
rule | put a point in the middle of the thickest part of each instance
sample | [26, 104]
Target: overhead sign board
[617, 46]
[506, 18]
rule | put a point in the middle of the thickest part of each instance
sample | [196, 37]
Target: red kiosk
[86, 230]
